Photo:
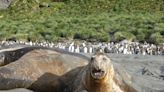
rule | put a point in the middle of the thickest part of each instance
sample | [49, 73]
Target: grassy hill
[91, 20]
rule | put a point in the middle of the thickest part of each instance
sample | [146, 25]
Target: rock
[146, 71]
[44, 4]
[4, 4]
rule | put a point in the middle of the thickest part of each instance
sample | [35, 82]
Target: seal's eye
[92, 58]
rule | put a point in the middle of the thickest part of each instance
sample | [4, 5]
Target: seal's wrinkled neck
[93, 85]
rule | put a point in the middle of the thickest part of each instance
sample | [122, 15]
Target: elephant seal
[30, 69]
[10, 55]
[47, 70]
[98, 76]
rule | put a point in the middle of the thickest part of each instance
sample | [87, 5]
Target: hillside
[91, 20]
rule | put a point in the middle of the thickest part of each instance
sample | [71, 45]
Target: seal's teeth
[97, 74]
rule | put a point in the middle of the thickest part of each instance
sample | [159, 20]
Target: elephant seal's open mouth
[97, 73]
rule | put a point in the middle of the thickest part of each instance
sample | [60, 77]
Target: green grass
[100, 20]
